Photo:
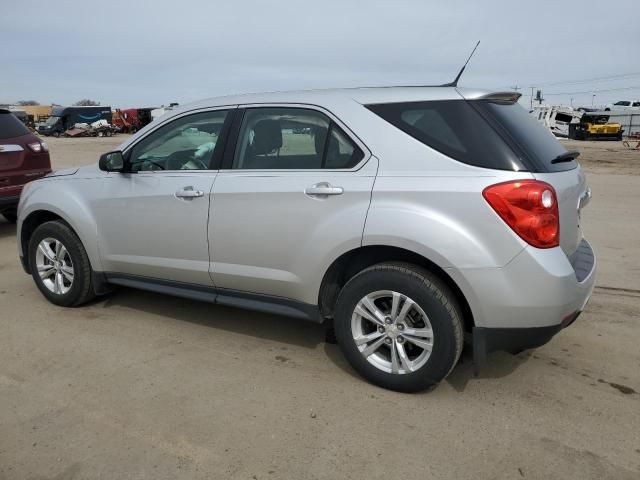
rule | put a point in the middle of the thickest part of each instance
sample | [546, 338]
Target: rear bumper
[524, 304]
[538, 288]
[487, 340]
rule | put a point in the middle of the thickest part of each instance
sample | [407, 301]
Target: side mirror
[112, 162]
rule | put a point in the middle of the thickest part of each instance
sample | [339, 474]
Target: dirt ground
[140, 385]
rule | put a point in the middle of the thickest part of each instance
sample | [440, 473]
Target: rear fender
[444, 219]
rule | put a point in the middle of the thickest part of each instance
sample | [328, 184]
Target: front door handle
[322, 189]
[189, 192]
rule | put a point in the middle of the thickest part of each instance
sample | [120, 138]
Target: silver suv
[410, 218]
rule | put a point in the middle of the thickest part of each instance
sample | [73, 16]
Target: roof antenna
[455, 82]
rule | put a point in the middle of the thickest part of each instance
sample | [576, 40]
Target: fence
[630, 121]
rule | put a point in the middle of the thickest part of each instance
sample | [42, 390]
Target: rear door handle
[189, 192]
[323, 189]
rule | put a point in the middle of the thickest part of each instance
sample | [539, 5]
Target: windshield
[52, 120]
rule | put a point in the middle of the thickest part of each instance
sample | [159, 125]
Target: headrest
[267, 137]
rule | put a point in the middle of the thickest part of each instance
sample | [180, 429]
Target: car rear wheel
[60, 265]
[399, 326]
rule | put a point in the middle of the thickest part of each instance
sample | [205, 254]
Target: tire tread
[431, 283]
[83, 266]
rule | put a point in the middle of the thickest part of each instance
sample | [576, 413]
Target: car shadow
[7, 229]
[245, 322]
[498, 365]
[288, 330]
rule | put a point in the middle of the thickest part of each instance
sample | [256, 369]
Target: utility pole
[531, 107]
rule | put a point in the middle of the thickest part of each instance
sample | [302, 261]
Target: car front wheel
[60, 265]
[399, 326]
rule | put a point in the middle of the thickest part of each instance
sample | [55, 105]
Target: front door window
[187, 143]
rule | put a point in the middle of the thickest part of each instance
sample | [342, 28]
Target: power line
[590, 91]
[622, 76]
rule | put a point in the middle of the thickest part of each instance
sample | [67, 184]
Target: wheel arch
[29, 225]
[347, 265]
[75, 216]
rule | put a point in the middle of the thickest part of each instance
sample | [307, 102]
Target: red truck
[130, 120]
[23, 157]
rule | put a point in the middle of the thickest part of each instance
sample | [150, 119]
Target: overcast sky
[146, 53]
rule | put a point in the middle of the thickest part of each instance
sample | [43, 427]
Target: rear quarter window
[10, 126]
[483, 133]
[453, 128]
[531, 141]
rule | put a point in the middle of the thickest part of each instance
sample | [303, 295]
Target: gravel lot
[139, 385]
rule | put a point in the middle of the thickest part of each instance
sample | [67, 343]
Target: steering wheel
[152, 163]
[201, 165]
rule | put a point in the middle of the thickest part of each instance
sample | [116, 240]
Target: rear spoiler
[501, 97]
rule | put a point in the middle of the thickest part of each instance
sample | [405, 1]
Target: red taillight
[530, 208]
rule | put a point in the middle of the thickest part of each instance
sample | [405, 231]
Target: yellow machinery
[595, 126]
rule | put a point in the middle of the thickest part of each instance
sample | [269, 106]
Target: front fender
[68, 199]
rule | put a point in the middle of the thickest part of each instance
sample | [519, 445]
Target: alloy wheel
[54, 266]
[392, 332]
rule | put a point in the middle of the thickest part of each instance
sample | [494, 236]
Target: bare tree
[85, 102]
[24, 103]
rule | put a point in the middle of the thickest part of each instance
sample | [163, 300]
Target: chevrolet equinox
[409, 217]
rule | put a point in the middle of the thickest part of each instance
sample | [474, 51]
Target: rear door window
[11, 126]
[276, 138]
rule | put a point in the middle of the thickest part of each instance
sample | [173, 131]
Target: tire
[56, 134]
[71, 293]
[434, 310]
[10, 215]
